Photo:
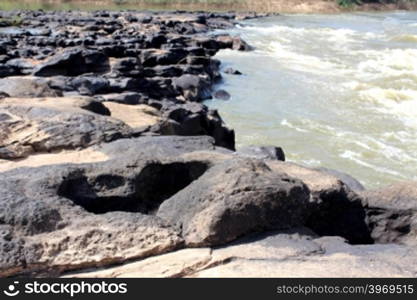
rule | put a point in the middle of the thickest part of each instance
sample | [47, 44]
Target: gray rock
[232, 71]
[193, 87]
[27, 87]
[51, 124]
[350, 181]
[222, 95]
[74, 62]
[392, 213]
[90, 215]
[235, 198]
[263, 152]
[335, 209]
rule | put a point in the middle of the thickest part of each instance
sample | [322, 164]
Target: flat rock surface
[296, 253]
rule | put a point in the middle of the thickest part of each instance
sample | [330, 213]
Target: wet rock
[233, 199]
[90, 85]
[21, 66]
[263, 152]
[222, 95]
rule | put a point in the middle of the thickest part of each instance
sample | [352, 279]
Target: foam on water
[337, 91]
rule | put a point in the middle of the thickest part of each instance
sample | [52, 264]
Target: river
[338, 91]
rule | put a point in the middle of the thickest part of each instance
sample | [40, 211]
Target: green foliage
[348, 3]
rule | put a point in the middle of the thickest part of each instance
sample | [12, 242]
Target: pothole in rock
[144, 193]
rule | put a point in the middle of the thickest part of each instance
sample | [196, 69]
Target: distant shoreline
[268, 6]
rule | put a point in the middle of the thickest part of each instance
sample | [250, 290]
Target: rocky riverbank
[108, 157]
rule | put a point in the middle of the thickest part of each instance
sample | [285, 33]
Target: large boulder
[233, 199]
[74, 62]
[335, 209]
[193, 87]
[70, 216]
[392, 213]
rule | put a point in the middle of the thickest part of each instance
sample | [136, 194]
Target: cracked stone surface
[296, 253]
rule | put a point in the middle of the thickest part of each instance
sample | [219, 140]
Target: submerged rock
[222, 95]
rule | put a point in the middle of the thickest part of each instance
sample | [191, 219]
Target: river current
[338, 91]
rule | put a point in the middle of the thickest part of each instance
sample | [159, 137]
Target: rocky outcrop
[61, 217]
[32, 125]
[108, 156]
[263, 152]
[233, 199]
[295, 253]
[133, 58]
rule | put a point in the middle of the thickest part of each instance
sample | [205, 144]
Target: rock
[392, 213]
[236, 198]
[328, 257]
[27, 87]
[159, 146]
[92, 215]
[11, 252]
[232, 71]
[23, 66]
[90, 85]
[351, 182]
[125, 98]
[50, 124]
[195, 119]
[235, 43]
[193, 87]
[128, 66]
[136, 116]
[171, 265]
[263, 152]
[335, 209]
[222, 95]
[153, 57]
[293, 253]
[74, 62]
[6, 71]
[240, 45]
